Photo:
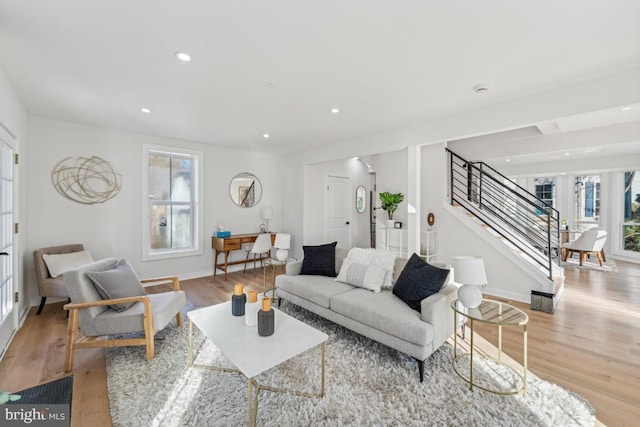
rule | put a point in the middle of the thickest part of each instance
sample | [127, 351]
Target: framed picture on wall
[361, 199]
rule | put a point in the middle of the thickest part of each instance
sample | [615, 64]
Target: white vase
[390, 223]
[251, 313]
[470, 295]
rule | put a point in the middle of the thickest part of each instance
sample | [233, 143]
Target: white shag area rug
[591, 263]
[366, 384]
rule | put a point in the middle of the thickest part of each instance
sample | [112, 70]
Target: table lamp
[282, 243]
[469, 271]
[267, 214]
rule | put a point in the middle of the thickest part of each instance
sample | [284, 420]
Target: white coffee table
[251, 353]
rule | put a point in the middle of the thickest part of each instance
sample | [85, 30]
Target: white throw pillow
[363, 276]
[59, 263]
[376, 257]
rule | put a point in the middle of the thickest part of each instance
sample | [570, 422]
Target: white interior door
[8, 309]
[338, 210]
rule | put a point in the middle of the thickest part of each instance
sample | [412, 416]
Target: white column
[413, 199]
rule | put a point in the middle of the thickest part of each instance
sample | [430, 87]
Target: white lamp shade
[283, 241]
[267, 213]
[469, 270]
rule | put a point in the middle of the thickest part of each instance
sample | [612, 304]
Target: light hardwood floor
[591, 345]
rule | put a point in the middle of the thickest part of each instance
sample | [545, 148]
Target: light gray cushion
[361, 275]
[164, 305]
[120, 281]
[317, 289]
[385, 312]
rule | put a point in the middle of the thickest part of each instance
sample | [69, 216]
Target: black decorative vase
[266, 318]
[238, 301]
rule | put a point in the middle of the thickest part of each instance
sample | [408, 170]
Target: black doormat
[51, 393]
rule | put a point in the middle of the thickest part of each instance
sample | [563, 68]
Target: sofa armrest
[436, 310]
[294, 268]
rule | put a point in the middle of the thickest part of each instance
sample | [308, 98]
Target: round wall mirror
[361, 199]
[245, 190]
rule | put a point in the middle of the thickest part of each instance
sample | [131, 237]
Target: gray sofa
[382, 317]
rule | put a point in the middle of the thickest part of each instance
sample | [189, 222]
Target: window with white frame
[171, 210]
[631, 219]
[587, 201]
[545, 190]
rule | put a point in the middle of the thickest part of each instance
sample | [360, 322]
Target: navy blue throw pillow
[418, 280]
[319, 260]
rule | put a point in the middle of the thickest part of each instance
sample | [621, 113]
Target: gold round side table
[495, 313]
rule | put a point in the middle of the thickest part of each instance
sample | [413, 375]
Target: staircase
[520, 220]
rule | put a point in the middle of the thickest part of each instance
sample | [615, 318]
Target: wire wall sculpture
[86, 180]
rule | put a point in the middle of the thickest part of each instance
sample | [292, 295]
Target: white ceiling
[279, 66]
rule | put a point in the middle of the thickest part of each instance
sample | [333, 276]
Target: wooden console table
[232, 243]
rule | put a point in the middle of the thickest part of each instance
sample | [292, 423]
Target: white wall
[314, 203]
[114, 228]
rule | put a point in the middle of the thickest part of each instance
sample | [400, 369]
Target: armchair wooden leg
[600, 258]
[148, 332]
[72, 331]
[583, 257]
[179, 319]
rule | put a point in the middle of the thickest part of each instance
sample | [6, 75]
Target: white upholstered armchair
[590, 242]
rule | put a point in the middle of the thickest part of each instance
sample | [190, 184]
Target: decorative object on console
[419, 280]
[469, 270]
[223, 233]
[266, 318]
[397, 224]
[267, 214]
[86, 180]
[431, 219]
[319, 260]
[238, 300]
[390, 202]
[282, 244]
[251, 309]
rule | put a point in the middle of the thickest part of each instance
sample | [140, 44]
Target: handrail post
[549, 244]
[451, 178]
[480, 186]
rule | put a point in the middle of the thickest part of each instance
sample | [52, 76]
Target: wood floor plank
[591, 345]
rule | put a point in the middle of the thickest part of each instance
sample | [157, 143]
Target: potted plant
[390, 202]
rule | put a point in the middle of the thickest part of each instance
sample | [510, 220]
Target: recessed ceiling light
[356, 158]
[183, 56]
[563, 173]
[566, 154]
[145, 110]
[335, 110]
[507, 160]
[266, 135]
[626, 108]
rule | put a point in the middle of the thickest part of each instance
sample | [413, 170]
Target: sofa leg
[42, 301]
[420, 369]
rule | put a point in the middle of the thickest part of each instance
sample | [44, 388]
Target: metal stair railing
[517, 215]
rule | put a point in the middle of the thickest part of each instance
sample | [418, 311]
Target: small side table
[495, 313]
[273, 262]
